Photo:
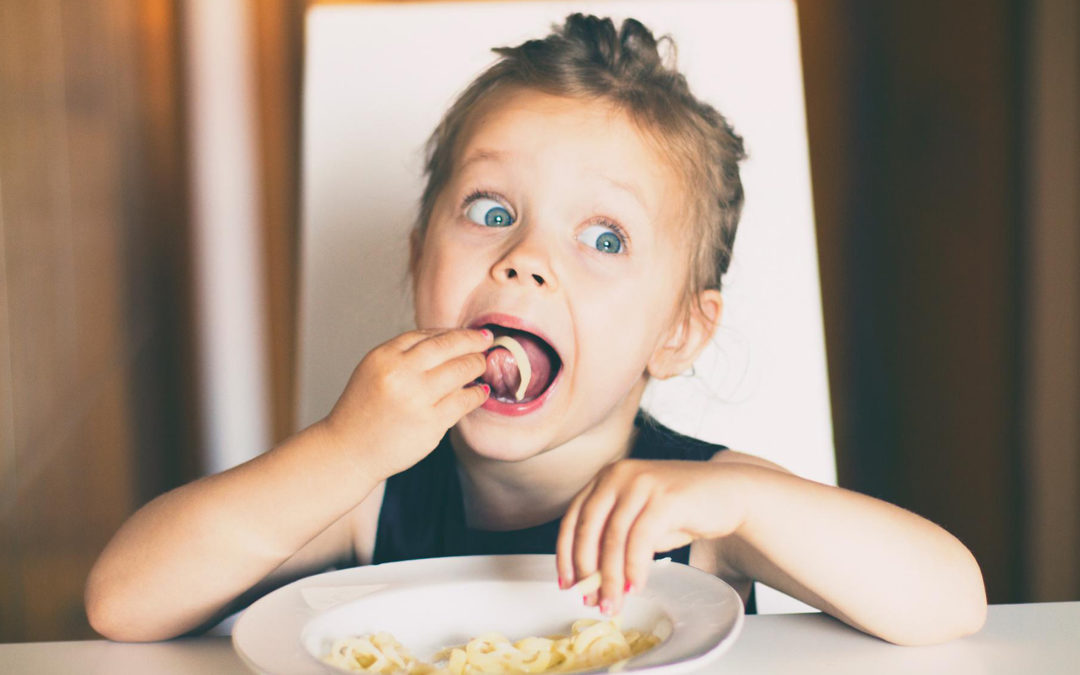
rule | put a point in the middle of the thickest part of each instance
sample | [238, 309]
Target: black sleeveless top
[423, 515]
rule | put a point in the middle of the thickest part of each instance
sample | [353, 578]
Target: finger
[613, 549]
[590, 524]
[406, 340]
[436, 349]
[459, 403]
[455, 373]
[564, 545]
[640, 545]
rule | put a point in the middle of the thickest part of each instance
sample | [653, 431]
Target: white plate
[433, 603]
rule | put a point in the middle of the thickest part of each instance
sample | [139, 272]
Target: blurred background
[945, 154]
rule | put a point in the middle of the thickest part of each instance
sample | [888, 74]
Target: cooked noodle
[521, 360]
[591, 644]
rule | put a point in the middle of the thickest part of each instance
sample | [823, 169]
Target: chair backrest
[378, 78]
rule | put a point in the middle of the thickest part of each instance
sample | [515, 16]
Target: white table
[1034, 638]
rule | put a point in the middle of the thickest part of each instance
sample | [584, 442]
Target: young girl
[583, 203]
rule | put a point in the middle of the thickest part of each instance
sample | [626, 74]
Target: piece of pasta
[521, 359]
[591, 644]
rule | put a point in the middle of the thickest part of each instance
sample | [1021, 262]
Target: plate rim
[290, 626]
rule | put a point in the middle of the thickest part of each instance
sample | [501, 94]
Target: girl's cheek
[453, 276]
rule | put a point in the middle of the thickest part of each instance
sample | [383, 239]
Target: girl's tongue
[504, 376]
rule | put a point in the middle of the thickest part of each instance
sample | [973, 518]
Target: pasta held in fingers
[521, 359]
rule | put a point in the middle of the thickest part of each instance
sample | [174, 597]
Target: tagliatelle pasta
[377, 653]
[591, 644]
[522, 360]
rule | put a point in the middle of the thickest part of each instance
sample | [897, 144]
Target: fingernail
[628, 587]
[487, 333]
[590, 600]
[605, 606]
[562, 584]
[486, 388]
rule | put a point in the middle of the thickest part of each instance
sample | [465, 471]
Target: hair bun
[639, 47]
[632, 49]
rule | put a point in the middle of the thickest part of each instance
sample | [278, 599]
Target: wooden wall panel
[88, 330]
[279, 59]
[1052, 302]
[917, 188]
[828, 55]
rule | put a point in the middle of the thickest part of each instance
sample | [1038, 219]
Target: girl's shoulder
[656, 441]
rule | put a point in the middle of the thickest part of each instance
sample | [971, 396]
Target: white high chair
[378, 78]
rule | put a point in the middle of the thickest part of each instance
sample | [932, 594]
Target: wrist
[352, 454]
[745, 486]
[770, 495]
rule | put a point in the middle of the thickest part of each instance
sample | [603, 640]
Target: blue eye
[489, 212]
[602, 238]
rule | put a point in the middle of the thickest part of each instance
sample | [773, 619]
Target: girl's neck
[515, 495]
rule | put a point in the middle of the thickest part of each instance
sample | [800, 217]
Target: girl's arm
[878, 567]
[189, 554]
[871, 564]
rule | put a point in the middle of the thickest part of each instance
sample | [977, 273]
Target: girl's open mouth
[518, 388]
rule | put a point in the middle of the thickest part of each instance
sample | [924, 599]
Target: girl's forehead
[513, 119]
[586, 137]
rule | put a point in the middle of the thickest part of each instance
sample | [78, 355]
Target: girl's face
[559, 220]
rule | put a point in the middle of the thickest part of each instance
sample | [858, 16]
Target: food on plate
[591, 644]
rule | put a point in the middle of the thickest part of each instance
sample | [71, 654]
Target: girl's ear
[687, 338]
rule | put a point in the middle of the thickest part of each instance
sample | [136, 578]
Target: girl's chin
[505, 443]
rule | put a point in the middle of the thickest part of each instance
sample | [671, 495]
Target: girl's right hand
[406, 393]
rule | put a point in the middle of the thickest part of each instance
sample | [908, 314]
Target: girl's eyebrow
[628, 188]
[489, 155]
[483, 155]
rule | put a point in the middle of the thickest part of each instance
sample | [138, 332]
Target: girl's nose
[512, 273]
[525, 263]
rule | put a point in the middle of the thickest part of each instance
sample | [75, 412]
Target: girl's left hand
[633, 508]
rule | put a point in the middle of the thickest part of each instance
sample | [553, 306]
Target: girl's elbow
[116, 626]
[963, 622]
[105, 618]
[961, 597]
[971, 602]
[115, 619]
[958, 610]
[973, 615]
[976, 619]
[96, 603]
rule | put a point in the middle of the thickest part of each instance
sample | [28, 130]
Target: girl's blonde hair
[587, 58]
